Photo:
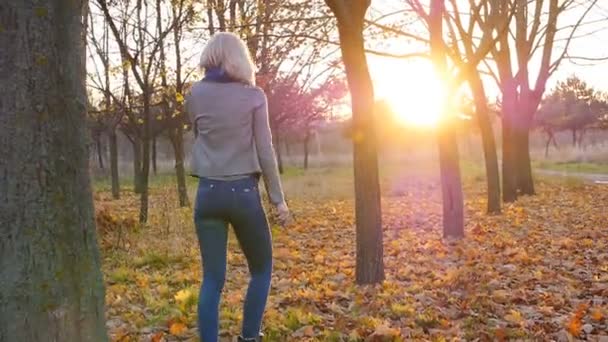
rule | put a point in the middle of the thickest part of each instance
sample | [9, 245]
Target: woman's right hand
[284, 214]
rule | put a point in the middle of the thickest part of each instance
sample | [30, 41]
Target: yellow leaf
[183, 296]
[514, 317]
[177, 329]
[179, 97]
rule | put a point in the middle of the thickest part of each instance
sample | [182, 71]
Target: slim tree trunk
[306, 149]
[489, 144]
[51, 286]
[154, 167]
[451, 185]
[137, 163]
[573, 137]
[99, 149]
[277, 143]
[145, 162]
[177, 141]
[547, 146]
[114, 164]
[368, 214]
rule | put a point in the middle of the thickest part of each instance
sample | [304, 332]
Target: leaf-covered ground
[537, 272]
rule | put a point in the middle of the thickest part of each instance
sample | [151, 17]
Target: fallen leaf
[177, 329]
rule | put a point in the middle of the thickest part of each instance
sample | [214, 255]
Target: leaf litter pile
[539, 271]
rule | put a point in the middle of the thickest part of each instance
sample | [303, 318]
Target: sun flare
[414, 92]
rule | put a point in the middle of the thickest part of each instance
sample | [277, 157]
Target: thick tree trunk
[51, 287]
[525, 180]
[509, 167]
[451, 185]
[177, 141]
[370, 264]
[489, 145]
[114, 164]
[449, 164]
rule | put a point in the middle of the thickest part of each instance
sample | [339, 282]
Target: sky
[389, 73]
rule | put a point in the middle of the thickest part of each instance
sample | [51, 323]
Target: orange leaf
[177, 329]
[597, 315]
[575, 326]
[158, 336]
[500, 334]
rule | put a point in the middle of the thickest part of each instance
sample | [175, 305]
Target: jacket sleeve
[266, 153]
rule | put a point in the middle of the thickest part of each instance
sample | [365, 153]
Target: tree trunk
[489, 144]
[573, 137]
[509, 167]
[137, 163]
[451, 185]
[547, 145]
[51, 287]
[114, 164]
[177, 141]
[154, 167]
[525, 181]
[99, 148]
[277, 143]
[306, 149]
[145, 167]
[370, 264]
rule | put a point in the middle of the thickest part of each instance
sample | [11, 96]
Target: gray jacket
[232, 134]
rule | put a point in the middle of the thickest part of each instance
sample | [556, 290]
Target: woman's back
[222, 114]
[232, 133]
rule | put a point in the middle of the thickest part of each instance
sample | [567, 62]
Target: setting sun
[414, 92]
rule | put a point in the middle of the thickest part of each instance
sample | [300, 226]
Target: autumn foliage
[538, 272]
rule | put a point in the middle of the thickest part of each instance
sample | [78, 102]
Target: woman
[233, 148]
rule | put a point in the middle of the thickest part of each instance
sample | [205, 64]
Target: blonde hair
[227, 51]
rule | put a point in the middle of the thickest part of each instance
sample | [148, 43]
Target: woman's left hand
[285, 217]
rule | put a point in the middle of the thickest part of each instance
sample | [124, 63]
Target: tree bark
[177, 141]
[114, 164]
[451, 185]
[51, 286]
[509, 167]
[99, 149]
[137, 165]
[154, 166]
[145, 167]
[306, 149]
[489, 144]
[370, 264]
[277, 143]
[525, 180]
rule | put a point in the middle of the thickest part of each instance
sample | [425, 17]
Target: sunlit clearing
[414, 92]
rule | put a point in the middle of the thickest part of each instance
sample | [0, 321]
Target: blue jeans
[219, 203]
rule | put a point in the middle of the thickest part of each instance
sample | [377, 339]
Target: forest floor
[539, 271]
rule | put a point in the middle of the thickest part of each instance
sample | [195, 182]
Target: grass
[595, 168]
